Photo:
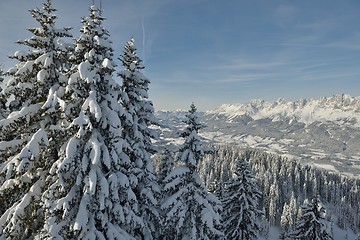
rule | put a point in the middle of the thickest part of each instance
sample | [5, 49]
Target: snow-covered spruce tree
[288, 216]
[311, 223]
[89, 196]
[3, 114]
[191, 211]
[31, 133]
[135, 97]
[240, 204]
[166, 165]
[137, 118]
[274, 204]
[286, 220]
[3, 100]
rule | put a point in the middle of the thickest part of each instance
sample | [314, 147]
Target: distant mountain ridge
[323, 132]
[340, 107]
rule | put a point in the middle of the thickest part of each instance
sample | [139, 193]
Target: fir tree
[89, 195]
[166, 165]
[274, 203]
[191, 211]
[285, 221]
[3, 110]
[311, 223]
[137, 118]
[135, 95]
[31, 133]
[288, 216]
[240, 204]
[3, 114]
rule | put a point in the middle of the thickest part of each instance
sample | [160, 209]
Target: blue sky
[215, 52]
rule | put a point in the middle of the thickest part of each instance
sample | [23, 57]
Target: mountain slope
[323, 132]
[339, 108]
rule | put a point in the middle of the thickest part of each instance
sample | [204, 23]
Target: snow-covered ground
[323, 132]
[341, 108]
[338, 234]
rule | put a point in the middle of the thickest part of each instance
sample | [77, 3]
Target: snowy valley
[322, 132]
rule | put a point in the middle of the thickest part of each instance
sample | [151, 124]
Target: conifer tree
[3, 110]
[89, 195]
[3, 114]
[289, 214]
[31, 133]
[166, 164]
[273, 203]
[240, 204]
[285, 221]
[135, 99]
[191, 211]
[137, 118]
[311, 223]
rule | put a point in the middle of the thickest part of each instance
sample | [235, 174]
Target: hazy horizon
[212, 53]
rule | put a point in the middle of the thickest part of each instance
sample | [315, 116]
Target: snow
[106, 63]
[104, 192]
[73, 78]
[42, 75]
[48, 62]
[101, 41]
[321, 139]
[92, 103]
[327, 167]
[106, 186]
[305, 111]
[95, 150]
[338, 234]
[53, 99]
[106, 160]
[177, 172]
[26, 111]
[89, 55]
[91, 181]
[81, 120]
[26, 67]
[42, 58]
[20, 54]
[31, 150]
[83, 69]
[9, 144]
[82, 215]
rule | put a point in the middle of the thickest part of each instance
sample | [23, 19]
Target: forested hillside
[286, 184]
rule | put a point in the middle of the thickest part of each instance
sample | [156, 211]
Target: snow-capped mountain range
[323, 132]
[339, 108]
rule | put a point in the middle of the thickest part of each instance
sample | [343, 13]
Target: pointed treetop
[192, 120]
[192, 108]
[100, 4]
[48, 7]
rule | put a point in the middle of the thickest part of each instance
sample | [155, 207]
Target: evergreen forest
[80, 156]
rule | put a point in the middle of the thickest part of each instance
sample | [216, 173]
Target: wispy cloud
[351, 42]
[321, 26]
[284, 15]
[243, 64]
[239, 78]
